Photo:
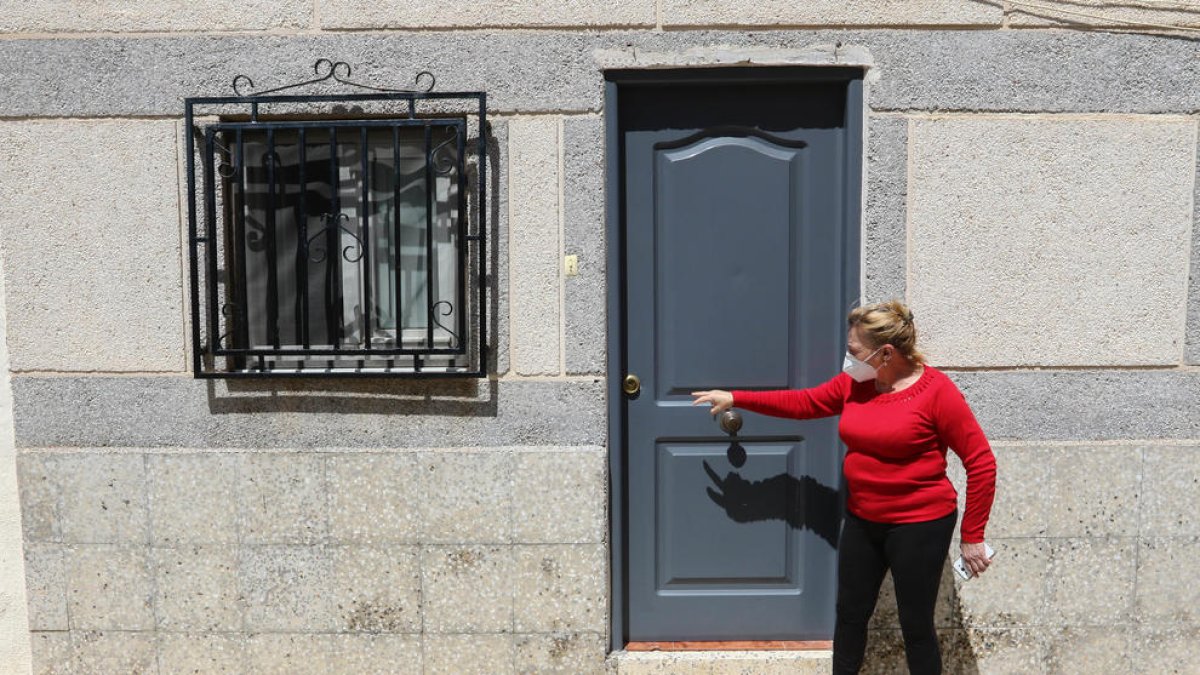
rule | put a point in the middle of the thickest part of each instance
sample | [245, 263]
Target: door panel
[698, 555]
[739, 246]
[709, 194]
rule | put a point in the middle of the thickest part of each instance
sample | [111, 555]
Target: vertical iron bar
[239, 244]
[333, 251]
[429, 203]
[460, 236]
[302, 245]
[210, 242]
[272, 250]
[366, 237]
[193, 253]
[482, 231]
[397, 303]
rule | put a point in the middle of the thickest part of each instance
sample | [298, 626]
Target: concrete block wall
[126, 16]
[97, 200]
[1035, 203]
[1051, 240]
[123, 16]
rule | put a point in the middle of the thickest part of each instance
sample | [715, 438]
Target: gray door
[740, 244]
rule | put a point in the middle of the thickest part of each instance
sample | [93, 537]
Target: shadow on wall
[467, 397]
[444, 398]
[803, 503]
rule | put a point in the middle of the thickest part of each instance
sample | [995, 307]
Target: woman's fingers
[975, 558]
[719, 400]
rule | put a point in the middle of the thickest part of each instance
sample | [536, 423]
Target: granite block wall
[1088, 575]
[1033, 201]
[329, 561]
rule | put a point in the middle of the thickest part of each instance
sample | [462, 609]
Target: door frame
[614, 230]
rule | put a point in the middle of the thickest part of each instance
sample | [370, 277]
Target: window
[348, 244]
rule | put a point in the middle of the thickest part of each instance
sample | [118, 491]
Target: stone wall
[1091, 540]
[1047, 260]
[1029, 189]
[289, 527]
[316, 561]
[1051, 240]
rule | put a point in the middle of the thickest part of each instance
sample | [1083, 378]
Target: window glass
[335, 252]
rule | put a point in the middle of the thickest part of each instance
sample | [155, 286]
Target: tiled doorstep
[723, 663]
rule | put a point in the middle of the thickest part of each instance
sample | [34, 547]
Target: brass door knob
[731, 421]
[632, 385]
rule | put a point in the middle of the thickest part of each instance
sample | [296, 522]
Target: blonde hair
[888, 323]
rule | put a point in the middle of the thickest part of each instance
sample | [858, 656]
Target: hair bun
[900, 310]
[887, 322]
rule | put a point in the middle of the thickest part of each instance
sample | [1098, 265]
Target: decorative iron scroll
[338, 71]
[317, 253]
[444, 156]
[449, 309]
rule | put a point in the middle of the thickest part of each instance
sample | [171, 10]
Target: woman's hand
[720, 400]
[975, 558]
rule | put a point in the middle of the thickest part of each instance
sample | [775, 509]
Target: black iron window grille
[338, 243]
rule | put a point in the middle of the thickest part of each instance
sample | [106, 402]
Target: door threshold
[731, 646]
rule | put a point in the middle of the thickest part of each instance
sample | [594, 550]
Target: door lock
[632, 385]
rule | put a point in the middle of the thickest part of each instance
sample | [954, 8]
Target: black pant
[915, 552]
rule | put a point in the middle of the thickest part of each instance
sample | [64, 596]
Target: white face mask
[860, 371]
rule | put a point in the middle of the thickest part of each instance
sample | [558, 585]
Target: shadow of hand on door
[804, 503]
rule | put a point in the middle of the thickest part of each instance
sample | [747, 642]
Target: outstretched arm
[823, 400]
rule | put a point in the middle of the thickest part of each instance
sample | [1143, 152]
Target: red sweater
[896, 446]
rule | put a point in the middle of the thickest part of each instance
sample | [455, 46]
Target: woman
[898, 416]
